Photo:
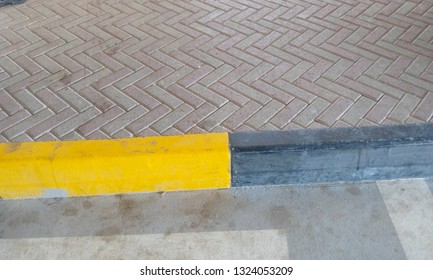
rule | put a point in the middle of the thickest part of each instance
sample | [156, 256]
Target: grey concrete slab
[319, 222]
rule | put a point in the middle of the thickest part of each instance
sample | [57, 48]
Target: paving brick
[27, 65]
[285, 56]
[402, 85]
[295, 91]
[29, 101]
[132, 78]
[147, 60]
[96, 98]
[163, 96]
[244, 56]
[236, 74]
[195, 117]
[378, 68]
[24, 83]
[418, 66]
[264, 56]
[260, 118]
[172, 118]
[185, 95]
[119, 98]
[230, 94]
[50, 123]
[381, 110]
[208, 95]
[112, 78]
[8, 103]
[257, 72]
[210, 60]
[310, 113]
[174, 77]
[121, 121]
[273, 92]
[335, 111]
[13, 119]
[251, 93]
[27, 123]
[141, 97]
[73, 99]
[382, 87]
[361, 88]
[194, 76]
[317, 70]
[316, 90]
[277, 72]
[99, 121]
[289, 112]
[241, 115]
[215, 75]
[357, 112]
[145, 121]
[358, 68]
[404, 108]
[218, 116]
[123, 133]
[424, 111]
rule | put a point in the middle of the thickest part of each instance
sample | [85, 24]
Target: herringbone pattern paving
[111, 69]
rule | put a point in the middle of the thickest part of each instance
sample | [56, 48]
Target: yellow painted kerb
[100, 167]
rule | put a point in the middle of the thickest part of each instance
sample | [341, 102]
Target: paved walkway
[111, 69]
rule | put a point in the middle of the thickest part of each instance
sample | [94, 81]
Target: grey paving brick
[357, 112]
[28, 101]
[27, 123]
[381, 110]
[335, 111]
[121, 121]
[404, 108]
[309, 114]
[218, 116]
[260, 118]
[241, 115]
[424, 111]
[251, 93]
[172, 118]
[73, 123]
[13, 119]
[208, 95]
[297, 71]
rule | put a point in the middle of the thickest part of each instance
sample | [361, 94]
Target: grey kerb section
[332, 155]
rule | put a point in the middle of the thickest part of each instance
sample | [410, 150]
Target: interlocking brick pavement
[121, 68]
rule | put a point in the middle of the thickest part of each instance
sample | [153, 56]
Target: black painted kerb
[332, 155]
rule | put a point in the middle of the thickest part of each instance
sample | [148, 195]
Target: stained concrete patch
[320, 222]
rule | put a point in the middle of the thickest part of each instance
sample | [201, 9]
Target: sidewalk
[111, 69]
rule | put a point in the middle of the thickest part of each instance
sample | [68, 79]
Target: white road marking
[258, 244]
[410, 206]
